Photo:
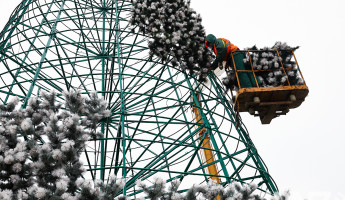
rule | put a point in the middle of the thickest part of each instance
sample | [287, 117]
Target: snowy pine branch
[175, 33]
[281, 67]
[40, 146]
[233, 191]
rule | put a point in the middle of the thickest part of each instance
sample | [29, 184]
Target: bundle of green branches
[45, 163]
[278, 63]
[175, 33]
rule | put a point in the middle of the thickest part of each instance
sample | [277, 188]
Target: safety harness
[229, 48]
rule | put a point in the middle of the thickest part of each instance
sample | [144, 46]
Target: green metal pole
[250, 145]
[184, 115]
[216, 127]
[119, 55]
[103, 151]
[208, 127]
[53, 31]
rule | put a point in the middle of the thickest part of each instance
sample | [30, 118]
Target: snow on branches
[233, 191]
[40, 146]
[268, 59]
[175, 33]
[272, 69]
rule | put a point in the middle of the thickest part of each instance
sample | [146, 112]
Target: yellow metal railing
[254, 71]
[267, 102]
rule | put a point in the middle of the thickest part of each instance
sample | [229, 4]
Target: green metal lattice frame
[88, 45]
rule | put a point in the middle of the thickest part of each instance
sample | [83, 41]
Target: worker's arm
[221, 49]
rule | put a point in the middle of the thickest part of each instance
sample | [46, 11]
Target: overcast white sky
[304, 150]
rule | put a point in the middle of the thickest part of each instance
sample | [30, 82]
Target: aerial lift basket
[268, 102]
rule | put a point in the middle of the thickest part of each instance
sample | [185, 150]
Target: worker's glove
[220, 66]
[223, 64]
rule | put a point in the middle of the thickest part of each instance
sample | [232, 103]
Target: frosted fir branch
[49, 101]
[32, 170]
[61, 185]
[57, 154]
[40, 193]
[74, 101]
[10, 106]
[51, 168]
[6, 194]
[174, 30]
[60, 172]
[270, 60]
[21, 194]
[155, 191]
[233, 191]
[112, 188]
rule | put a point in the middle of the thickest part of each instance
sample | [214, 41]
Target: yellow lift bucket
[268, 102]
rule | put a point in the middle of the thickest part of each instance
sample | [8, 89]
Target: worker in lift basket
[222, 48]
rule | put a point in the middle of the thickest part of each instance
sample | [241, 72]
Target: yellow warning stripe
[223, 43]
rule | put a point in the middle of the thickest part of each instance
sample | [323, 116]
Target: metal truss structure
[88, 45]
